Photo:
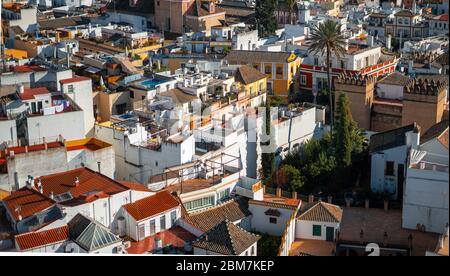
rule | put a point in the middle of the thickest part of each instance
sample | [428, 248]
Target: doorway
[330, 234]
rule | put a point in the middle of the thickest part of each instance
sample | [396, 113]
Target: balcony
[250, 188]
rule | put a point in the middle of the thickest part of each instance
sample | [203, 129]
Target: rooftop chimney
[77, 181]
[20, 88]
[311, 198]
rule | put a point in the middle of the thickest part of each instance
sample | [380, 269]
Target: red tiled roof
[442, 17]
[135, 186]
[177, 237]
[152, 205]
[28, 201]
[32, 240]
[91, 186]
[74, 79]
[29, 93]
[28, 68]
[278, 202]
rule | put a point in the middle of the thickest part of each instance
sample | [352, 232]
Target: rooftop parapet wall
[355, 83]
[424, 90]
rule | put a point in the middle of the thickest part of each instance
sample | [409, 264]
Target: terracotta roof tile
[32, 240]
[277, 202]
[227, 239]
[396, 78]
[321, 211]
[442, 17]
[74, 79]
[28, 201]
[152, 205]
[135, 186]
[28, 68]
[91, 185]
[232, 210]
[247, 74]
[29, 93]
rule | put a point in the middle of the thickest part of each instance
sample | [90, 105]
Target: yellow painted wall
[17, 54]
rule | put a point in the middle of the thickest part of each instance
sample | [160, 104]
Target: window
[157, 3]
[273, 220]
[253, 251]
[156, 163]
[268, 69]
[279, 70]
[152, 227]
[70, 88]
[389, 168]
[33, 107]
[317, 230]
[199, 203]
[173, 217]
[303, 79]
[132, 94]
[162, 221]
[224, 194]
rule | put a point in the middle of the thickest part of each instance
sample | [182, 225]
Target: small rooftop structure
[226, 239]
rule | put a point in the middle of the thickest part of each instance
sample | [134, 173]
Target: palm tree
[326, 38]
[290, 4]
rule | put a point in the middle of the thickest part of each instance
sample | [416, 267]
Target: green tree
[326, 38]
[291, 4]
[266, 22]
[343, 131]
[267, 158]
[275, 101]
[288, 177]
[348, 138]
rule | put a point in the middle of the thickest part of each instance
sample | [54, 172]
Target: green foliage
[348, 138]
[265, 17]
[226, 49]
[268, 245]
[288, 177]
[275, 101]
[344, 125]
[327, 39]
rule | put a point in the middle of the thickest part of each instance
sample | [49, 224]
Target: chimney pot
[330, 199]
[311, 198]
[278, 192]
